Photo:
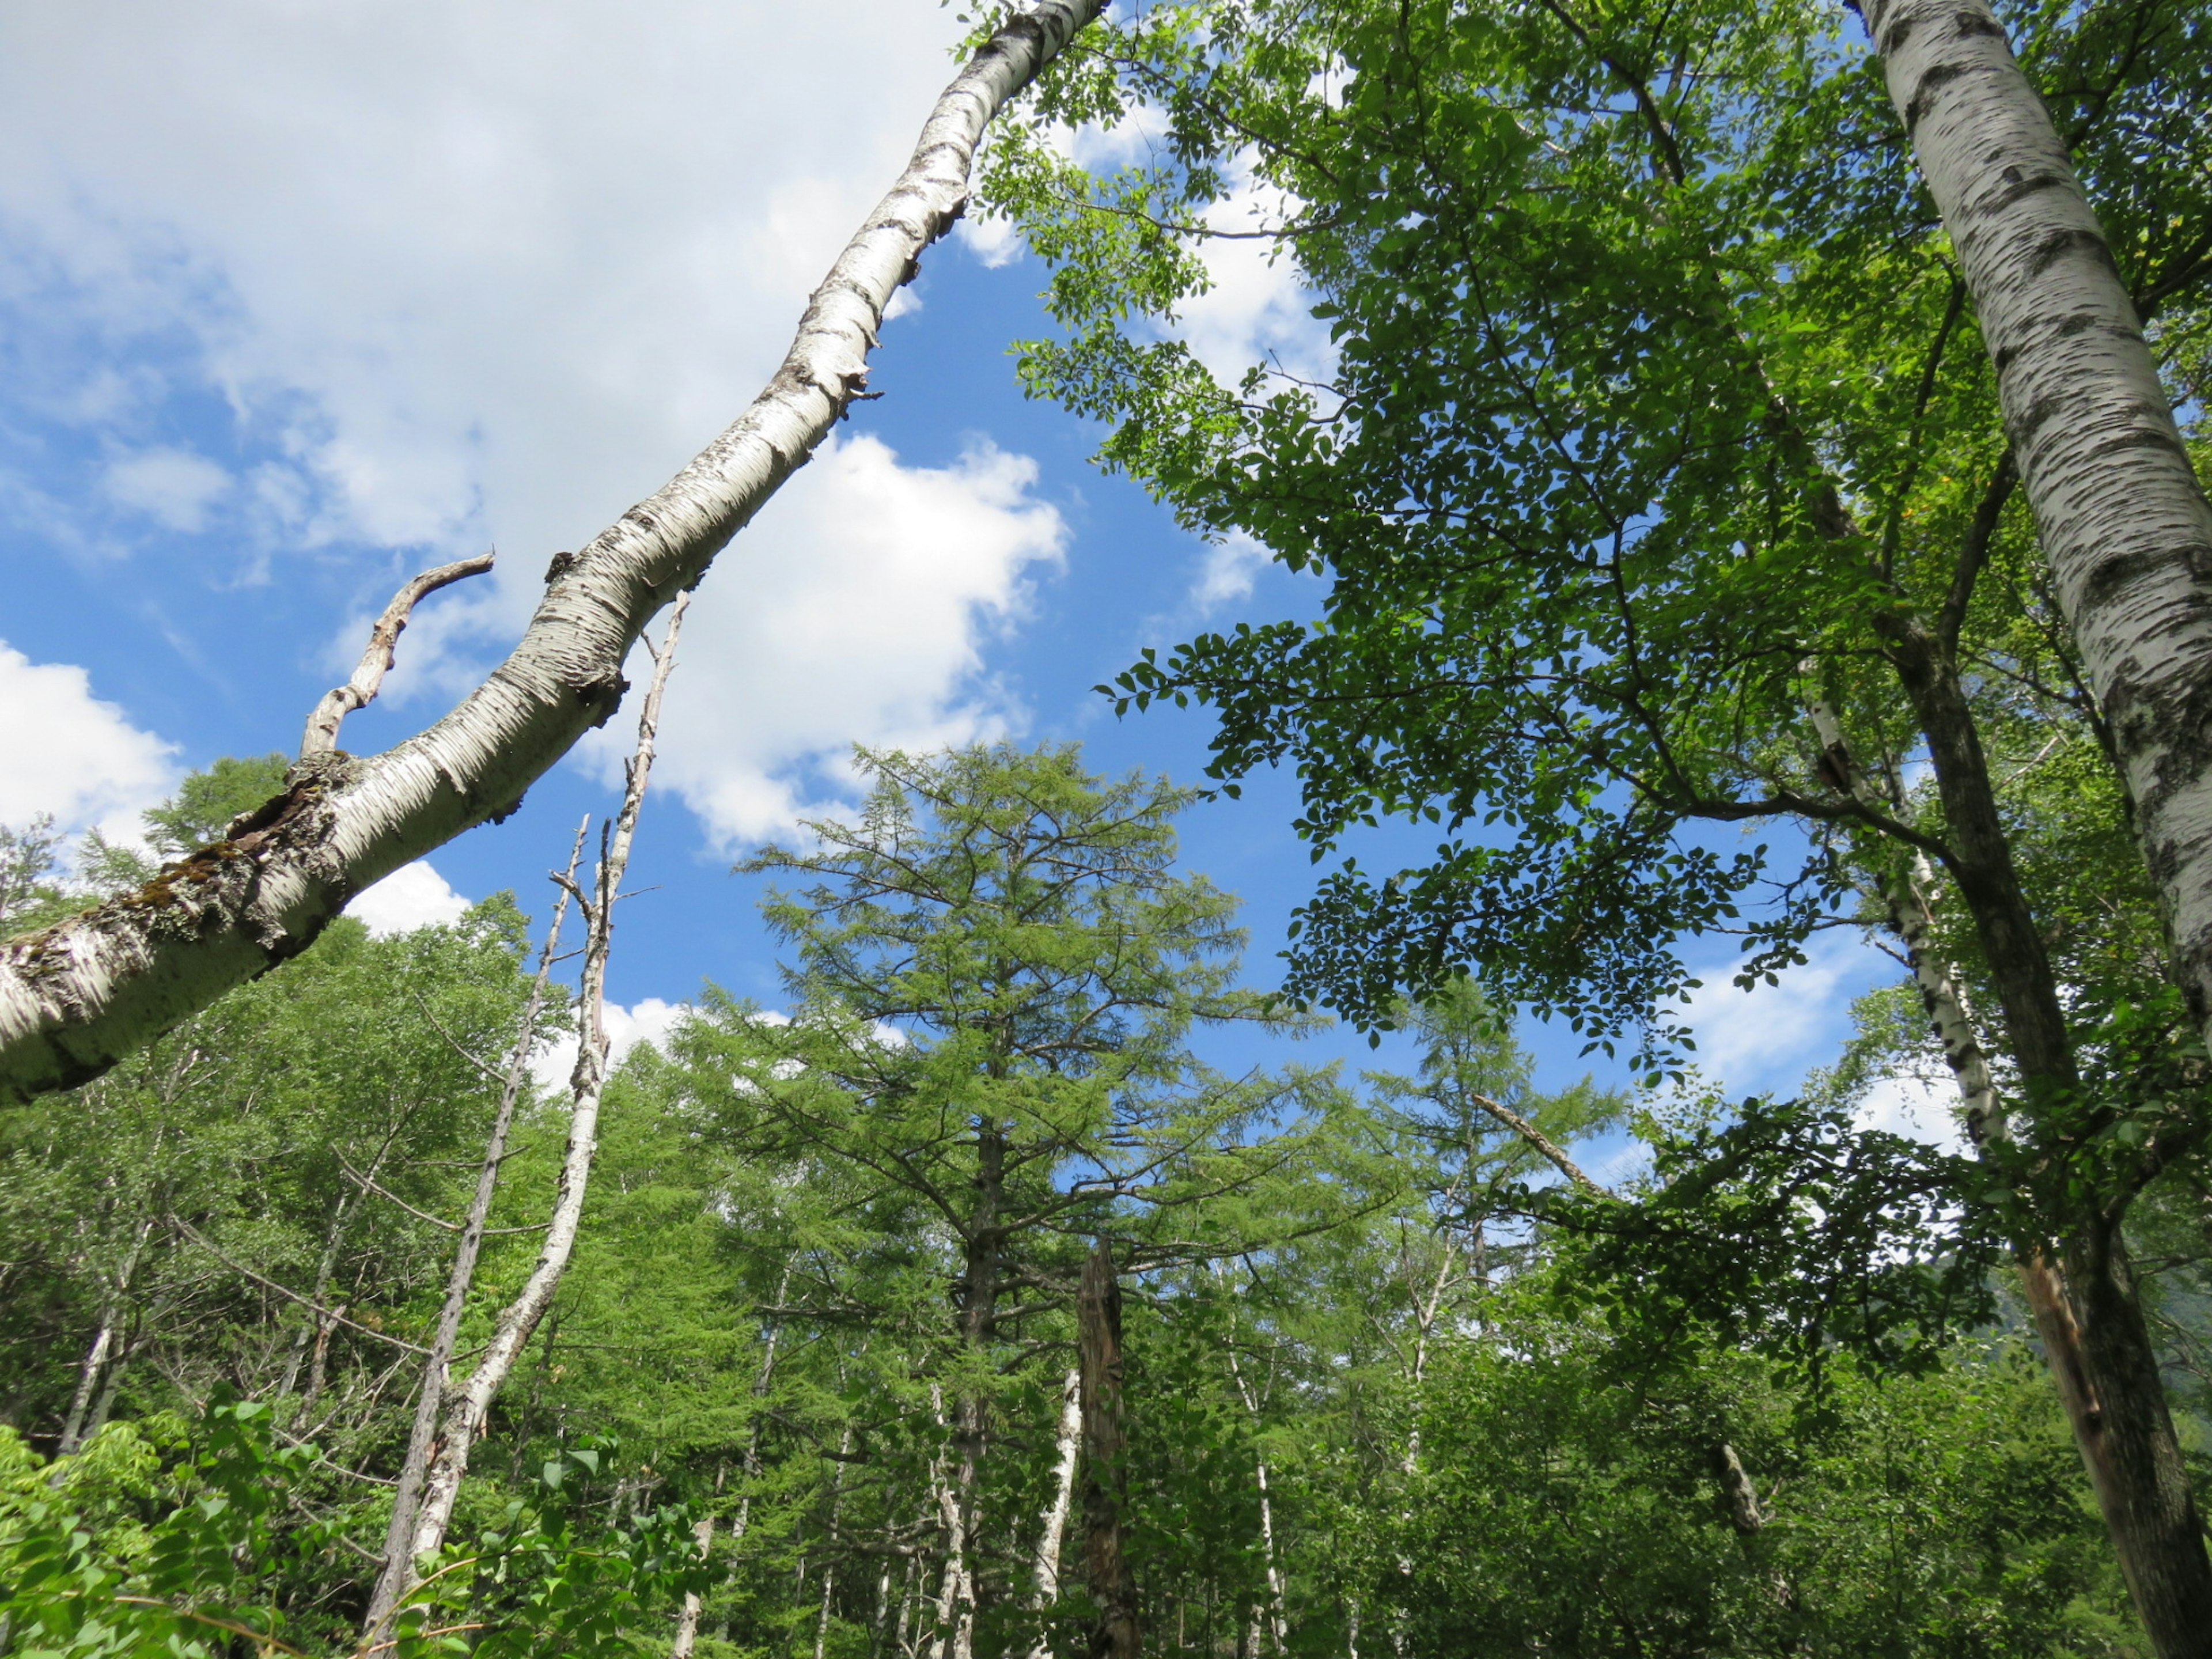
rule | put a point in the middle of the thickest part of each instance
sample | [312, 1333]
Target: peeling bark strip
[76, 997]
[2124, 521]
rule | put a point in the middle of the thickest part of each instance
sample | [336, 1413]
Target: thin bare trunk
[96, 1375]
[76, 997]
[687, 1622]
[431, 1399]
[2089, 1318]
[1278, 1625]
[956, 1596]
[829, 1555]
[469, 1408]
[1052, 1528]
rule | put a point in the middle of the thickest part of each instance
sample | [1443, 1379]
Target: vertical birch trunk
[1278, 1624]
[430, 1400]
[2123, 520]
[1053, 1526]
[830, 1546]
[1105, 1480]
[96, 1376]
[956, 1598]
[470, 1407]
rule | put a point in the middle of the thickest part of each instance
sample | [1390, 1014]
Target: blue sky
[296, 300]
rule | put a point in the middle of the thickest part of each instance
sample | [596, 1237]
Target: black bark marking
[2020, 186]
[1972, 24]
[2054, 245]
[1933, 82]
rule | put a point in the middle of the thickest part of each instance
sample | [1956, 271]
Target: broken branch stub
[322, 734]
[76, 997]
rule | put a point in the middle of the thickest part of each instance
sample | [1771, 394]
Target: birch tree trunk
[2124, 521]
[471, 1408]
[77, 996]
[406, 1501]
[1278, 1624]
[1052, 1528]
[956, 1596]
[96, 1376]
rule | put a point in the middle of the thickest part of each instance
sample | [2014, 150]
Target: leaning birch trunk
[76, 997]
[471, 1407]
[2124, 522]
[429, 1405]
[1052, 1528]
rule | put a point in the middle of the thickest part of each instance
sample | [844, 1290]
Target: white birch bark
[96, 1376]
[471, 1408]
[1278, 1624]
[1052, 1530]
[430, 1400]
[76, 997]
[2124, 522]
[956, 1596]
[687, 1622]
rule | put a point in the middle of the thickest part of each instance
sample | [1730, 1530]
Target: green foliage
[206, 802]
[181, 1545]
[1561, 1508]
[1783, 1226]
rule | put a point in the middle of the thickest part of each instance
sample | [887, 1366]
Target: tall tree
[1655, 423]
[998, 973]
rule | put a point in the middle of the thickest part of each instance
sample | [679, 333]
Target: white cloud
[649, 1020]
[470, 275]
[64, 751]
[854, 611]
[173, 487]
[1227, 572]
[413, 895]
[993, 240]
[1767, 1037]
[1919, 1109]
[1256, 311]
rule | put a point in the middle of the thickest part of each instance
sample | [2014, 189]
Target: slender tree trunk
[469, 1408]
[687, 1622]
[1105, 1479]
[101, 1360]
[2122, 520]
[2090, 1320]
[430, 1400]
[956, 1598]
[1278, 1624]
[830, 1547]
[1052, 1528]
